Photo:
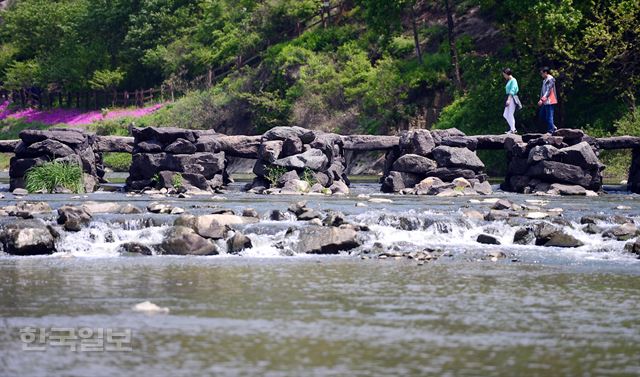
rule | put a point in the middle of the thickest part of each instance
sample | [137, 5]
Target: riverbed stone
[562, 239]
[622, 232]
[181, 240]
[633, 247]
[560, 189]
[524, 236]
[28, 237]
[238, 242]
[487, 239]
[73, 218]
[135, 248]
[326, 240]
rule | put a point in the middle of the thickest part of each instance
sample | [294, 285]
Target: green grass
[618, 163]
[11, 128]
[53, 175]
[5, 159]
[116, 161]
[274, 173]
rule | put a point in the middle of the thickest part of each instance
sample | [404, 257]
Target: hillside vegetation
[362, 72]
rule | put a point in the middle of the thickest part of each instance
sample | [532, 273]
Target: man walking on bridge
[548, 99]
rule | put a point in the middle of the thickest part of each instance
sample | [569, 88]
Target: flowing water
[539, 311]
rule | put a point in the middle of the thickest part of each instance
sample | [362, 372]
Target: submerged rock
[135, 248]
[28, 237]
[633, 247]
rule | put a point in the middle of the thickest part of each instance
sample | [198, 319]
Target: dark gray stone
[413, 163]
[181, 146]
[313, 159]
[237, 243]
[451, 157]
[487, 239]
[73, 218]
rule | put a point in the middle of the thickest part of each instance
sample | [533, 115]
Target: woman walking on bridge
[512, 102]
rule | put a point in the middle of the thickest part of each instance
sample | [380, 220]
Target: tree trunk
[452, 47]
[416, 38]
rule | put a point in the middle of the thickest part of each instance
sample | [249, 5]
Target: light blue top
[512, 87]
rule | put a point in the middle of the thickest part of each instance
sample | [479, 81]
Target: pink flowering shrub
[71, 117]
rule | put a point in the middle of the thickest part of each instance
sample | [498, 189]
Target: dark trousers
[546, 113]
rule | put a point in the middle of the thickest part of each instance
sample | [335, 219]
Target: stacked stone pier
[171, 158]
[438, 162]
[37, 147]
[294, 159]
[564, 163]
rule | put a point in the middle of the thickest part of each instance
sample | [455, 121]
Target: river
[539, 311]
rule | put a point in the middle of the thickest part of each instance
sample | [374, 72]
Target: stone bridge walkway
[293, 159]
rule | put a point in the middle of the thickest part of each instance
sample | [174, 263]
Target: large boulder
[438, 135]
[270, 150]
[326, 240]
[580, 154]
[553, 171]
[49, 147]
[313, 159]
[28, 237]
[284, 133]
[181, 146]
[74, 138]
[622, 232]
[73, 218]
[237, 243]
[452, 157]
[397, 181]
[413, 163]
[164, 135]
[181, 240]
[419, 142]
[211, 226]
[541, 153]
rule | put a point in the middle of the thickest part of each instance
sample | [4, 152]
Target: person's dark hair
[545, 69]
[507, 71]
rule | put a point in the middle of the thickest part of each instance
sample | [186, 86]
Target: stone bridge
[293, 159]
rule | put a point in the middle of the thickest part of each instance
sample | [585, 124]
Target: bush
[112, 127]
[176, 181]
[274, 173]
[115, 161]
[54, 175]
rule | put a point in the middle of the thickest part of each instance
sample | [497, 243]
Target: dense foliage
[361, 73]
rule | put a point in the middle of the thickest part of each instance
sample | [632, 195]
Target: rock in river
[73, 218]
[180, 240]
[28, 237]
[327, 240]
